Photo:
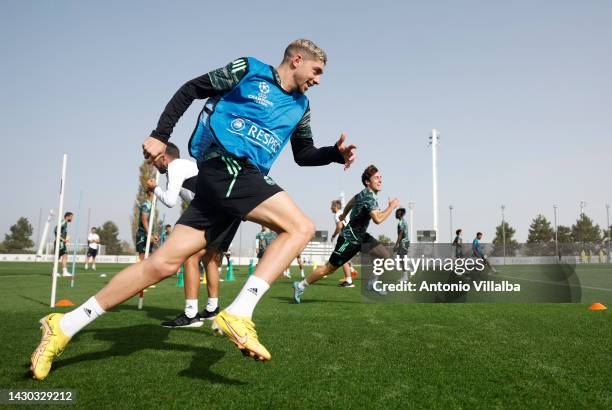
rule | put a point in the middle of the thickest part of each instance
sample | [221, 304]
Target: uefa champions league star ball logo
[264, 88]
[237, 124]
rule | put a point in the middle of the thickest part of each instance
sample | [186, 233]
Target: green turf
[332, 351]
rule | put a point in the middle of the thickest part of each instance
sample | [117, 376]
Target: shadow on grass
[133, 339]
[39, 302]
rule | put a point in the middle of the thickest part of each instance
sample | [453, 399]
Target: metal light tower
[503, 208]
[609, 231]
[434, 141]
[410, 220]
[556, 238]
[450, 209]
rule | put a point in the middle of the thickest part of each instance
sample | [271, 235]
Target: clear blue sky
[520, 91]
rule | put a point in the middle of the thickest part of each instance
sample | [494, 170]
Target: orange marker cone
[64, 303]
[597, 306]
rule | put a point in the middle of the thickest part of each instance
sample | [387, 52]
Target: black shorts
[346, 249]
[92, 253]
[227, 190]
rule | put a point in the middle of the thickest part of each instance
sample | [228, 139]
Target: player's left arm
[306, 154]
[400, 236]
[144, 219]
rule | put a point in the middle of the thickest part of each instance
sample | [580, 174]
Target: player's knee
[307, 229]
[161, 268]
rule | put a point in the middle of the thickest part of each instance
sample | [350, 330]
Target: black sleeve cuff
[336, 155]
[159, 136]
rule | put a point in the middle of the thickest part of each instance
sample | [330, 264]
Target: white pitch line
[554, 283]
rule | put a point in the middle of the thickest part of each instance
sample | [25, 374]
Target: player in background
[347, 268]
[181, 175]
[144, 210]
[63, 242]
[458, 244]
[403, 241]
[478, 253]
[93, 243]
[354, 237]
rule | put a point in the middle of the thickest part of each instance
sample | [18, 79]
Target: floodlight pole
[556, 237]
[434, 141]
[609, 231]
[450, 209]
[503, 208]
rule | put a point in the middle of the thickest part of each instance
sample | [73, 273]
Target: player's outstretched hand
[347, 151]
[394, 203]
[151, 184]
[153, 149]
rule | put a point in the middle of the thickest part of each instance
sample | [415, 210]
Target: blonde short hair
[307, 48]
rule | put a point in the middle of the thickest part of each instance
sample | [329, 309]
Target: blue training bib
[254, 120]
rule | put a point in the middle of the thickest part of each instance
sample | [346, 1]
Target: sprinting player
[478, 253]
[354, 237]
[93, 242]
[458, 244]
[336, 208]
[253, 102]
[63, 241]
[144, 210]
[403, 241]
[181, 175]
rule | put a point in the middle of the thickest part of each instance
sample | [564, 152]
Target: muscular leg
[294, 229]
[321, 271]
[192, 275]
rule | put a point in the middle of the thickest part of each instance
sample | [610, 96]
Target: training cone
[597, 306]
[230, 272]
[251, 267]
[64, 303]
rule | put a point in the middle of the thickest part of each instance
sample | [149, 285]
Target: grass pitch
[332, 351]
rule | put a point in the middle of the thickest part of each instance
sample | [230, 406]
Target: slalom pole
[43, 238]
[78, 218]
[58, 230]
[149, 233]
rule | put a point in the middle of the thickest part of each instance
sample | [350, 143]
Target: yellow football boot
[241, 331]
[52, 344]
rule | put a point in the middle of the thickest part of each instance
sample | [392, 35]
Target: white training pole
[43, 238]
[149, 232]
[58, 231]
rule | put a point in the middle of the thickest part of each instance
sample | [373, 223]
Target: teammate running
[354, 237]
[336, 208]
[255, 111]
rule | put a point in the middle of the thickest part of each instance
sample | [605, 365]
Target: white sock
[302, 285]
[86, 266]
[349, 280]
[302, 272]
[212, 304]
[80, 317]
[65, 270]
[94, 266]
[191, 308]
[249, 296]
